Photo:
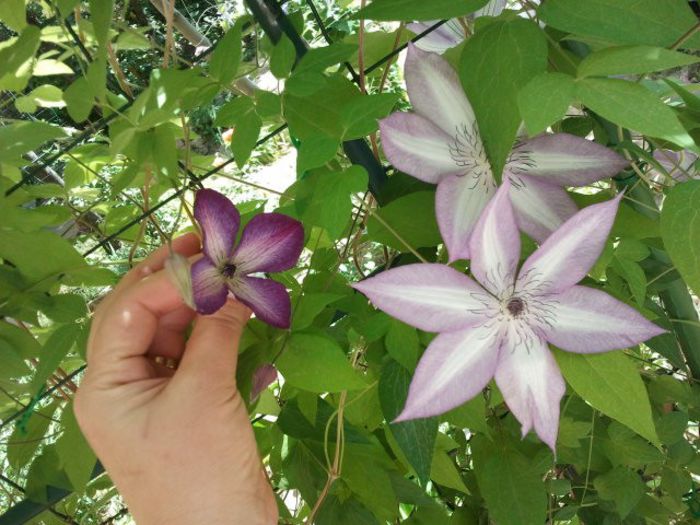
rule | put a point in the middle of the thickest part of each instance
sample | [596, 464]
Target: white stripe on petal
[459, 201]
[436, 92]
[416, 146]
[495, 245]
[454, 368]
[530, 381]
[567, 255]
[587, 320]
[540, 207]
[432, 297]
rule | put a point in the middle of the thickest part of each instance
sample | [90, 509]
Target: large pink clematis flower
[440, 143]
[270, 242]
[499, 325]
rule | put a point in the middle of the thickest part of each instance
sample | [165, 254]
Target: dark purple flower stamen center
[228, 270]
[515, 306]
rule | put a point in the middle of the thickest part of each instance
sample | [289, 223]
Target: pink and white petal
[270, 242]
[218, 220]
[439, 40]
[416, 146]
[459, 201]
[531, 383]
[565, 160]
[495, 245]
[455, 367]
[586, 320]
[208, 287]
[268, 299]
[432, 297]
[567, 255]
[493, 8]
[540, 207]
[436, 92]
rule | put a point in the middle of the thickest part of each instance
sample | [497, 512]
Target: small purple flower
[263, 377]
[498, 325]
[439, 143]
[270, 242]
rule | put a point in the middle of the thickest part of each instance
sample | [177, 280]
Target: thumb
[211, 354]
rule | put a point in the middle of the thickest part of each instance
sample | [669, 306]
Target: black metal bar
[275, 23]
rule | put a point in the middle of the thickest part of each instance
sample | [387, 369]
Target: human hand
[177, 443]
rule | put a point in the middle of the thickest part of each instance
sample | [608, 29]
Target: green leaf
[55, 349]
[316, 151]
[18, 138]
[471, 415]
[282, 57]
[318, 59]
[680, 230]
[418, 9]
[13, 14]
[631, 60]
[44, 96]
[632, 106]
[514, 491]
[416, 438]
[11, 361]
[619, 21]
[622, 486]
[45, 470]
[241, 114]
[224, 61]
[16, 59]
[75, 454]
[310, 305]
[40, 254]
[492, 75]
[402, 344]
[412, 217]
[360, 116]
[79, 100]
[545, 99]
[317, 364]
[24, 441]
[324, 198]
[101, 12]
[610, 382]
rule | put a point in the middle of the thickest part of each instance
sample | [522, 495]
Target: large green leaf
[610, 382]
[416, 438]
[18, 138]
[630, 60]
[632, 106]
[622, 486]
[55, 349]
[545, 99]
[282, 57]
[419, 9]
[76, 456]
[240, 113]
[224, 61]
[318, 364]
[16, 59]
[410, 218]
[680, 229]
[324, 198]
[101, 18]
[493, 73]
[620, 21]
[513, 489]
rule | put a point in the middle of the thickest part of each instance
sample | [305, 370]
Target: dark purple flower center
[515, 306]
[228, 269]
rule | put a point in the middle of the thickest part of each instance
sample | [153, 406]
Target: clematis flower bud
[178, 268]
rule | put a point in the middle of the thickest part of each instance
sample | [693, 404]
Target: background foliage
[112, 115]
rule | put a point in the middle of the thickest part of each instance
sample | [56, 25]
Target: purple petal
[271, 242]
[219, 220]
[432, 297]
[208, 286]
[436, 92]
[268, 299]
[678, 164]
[455, 367]
[416, 146]
[493, 8]
[439, 40]
[459, 201]
[567, 255]
[263, 377]
[531, 383]
[495, 245]
[540, 207]
[586, 320]
[565, 160]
